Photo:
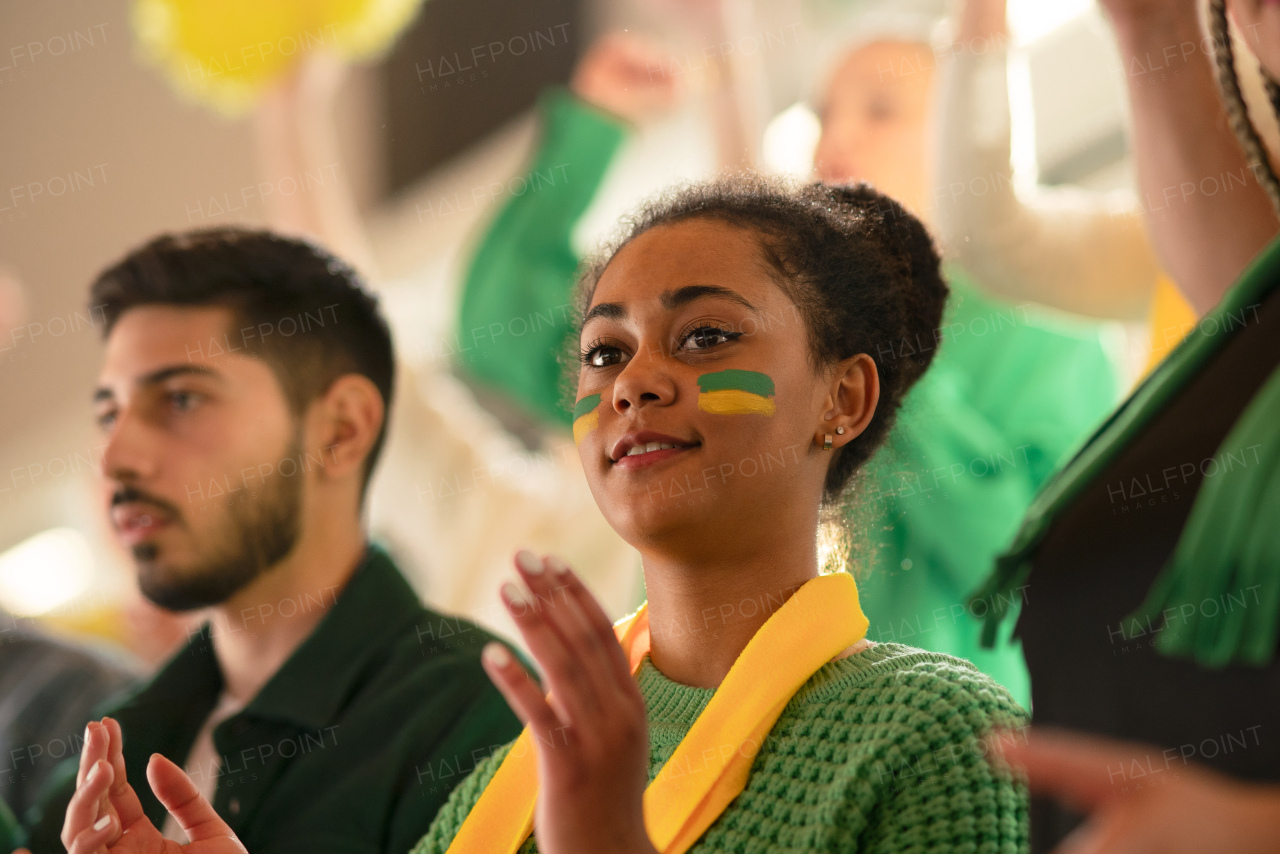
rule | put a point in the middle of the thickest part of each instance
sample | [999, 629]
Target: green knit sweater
[878, 752]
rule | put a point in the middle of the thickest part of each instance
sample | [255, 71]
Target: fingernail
[93, 773]
[527, 561]
[557, 564]
[515, 594]
[496, 654]
[102, 822]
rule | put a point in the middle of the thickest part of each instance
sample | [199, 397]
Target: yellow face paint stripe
[585, 425]
[735, 402]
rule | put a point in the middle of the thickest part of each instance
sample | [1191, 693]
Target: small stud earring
[839, 431]
[826, 442]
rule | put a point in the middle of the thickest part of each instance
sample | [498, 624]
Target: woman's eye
[708, 336]
[105, 420]
[602, 356]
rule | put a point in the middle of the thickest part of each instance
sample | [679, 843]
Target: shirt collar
[376, 607]
[373, 610]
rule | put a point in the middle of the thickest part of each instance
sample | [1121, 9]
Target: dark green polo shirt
[352, 746]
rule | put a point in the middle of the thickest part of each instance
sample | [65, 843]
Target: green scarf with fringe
[1229, 553]
[1227, 548]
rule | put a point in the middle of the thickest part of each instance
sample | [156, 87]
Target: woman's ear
[346, 422]
[851, 403]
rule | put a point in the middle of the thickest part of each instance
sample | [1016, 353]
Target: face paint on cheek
[735, 392]
[585, 417]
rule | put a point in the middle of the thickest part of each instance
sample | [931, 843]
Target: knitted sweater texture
[878, 752]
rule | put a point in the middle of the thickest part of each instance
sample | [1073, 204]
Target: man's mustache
[126, 494]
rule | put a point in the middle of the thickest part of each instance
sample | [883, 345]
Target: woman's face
[698, 405]
[876, 121]
[1259, 22]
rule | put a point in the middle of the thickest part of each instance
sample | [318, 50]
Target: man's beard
[256, 535]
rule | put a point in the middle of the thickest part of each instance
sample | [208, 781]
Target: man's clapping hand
[105, 815]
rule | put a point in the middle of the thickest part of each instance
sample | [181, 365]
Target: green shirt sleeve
[515, 312]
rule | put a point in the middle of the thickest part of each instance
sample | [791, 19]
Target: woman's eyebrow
[689, 293]
[671, 300]
[609, 310]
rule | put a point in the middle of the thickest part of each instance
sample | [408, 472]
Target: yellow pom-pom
[226, 52]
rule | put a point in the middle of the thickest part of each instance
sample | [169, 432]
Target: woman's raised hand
[590, 733]
[106, 817]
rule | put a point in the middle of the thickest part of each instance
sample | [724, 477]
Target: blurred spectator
[1028, 389]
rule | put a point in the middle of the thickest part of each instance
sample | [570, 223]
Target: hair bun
[905, 237]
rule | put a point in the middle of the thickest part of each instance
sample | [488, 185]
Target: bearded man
[243, 401]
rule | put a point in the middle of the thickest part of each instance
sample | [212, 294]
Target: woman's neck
[702, 616]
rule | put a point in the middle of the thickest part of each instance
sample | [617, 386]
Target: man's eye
[183, 400]
[105, 420]
[708, 336]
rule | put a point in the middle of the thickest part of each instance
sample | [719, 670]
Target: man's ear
[345, 423]
[851, 404]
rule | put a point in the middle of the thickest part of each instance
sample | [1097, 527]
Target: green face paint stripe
[586, 405]
[736, 380]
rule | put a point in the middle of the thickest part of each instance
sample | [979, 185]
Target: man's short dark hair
[294, 305]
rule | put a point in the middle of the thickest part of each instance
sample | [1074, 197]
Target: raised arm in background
[737, 91]
[1065, 247]
[1181, 143]
[294, 134]
[521, 276]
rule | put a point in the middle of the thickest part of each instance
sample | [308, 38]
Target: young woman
[726, 397]
[1009, 394]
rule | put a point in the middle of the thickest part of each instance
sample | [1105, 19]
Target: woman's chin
[650, 520]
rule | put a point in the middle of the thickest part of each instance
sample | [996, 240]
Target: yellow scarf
[701, 778]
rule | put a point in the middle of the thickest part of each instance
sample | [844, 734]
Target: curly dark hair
[862, 270]
[307, 314]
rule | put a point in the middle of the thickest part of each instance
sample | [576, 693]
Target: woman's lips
[648, 458]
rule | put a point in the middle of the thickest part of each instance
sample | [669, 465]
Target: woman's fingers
[565, 677]
[546, 579]
[598, 620]
[184, 802]
[520, 691]
[585, 628]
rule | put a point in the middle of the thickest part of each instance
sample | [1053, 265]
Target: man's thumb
[184, 802]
